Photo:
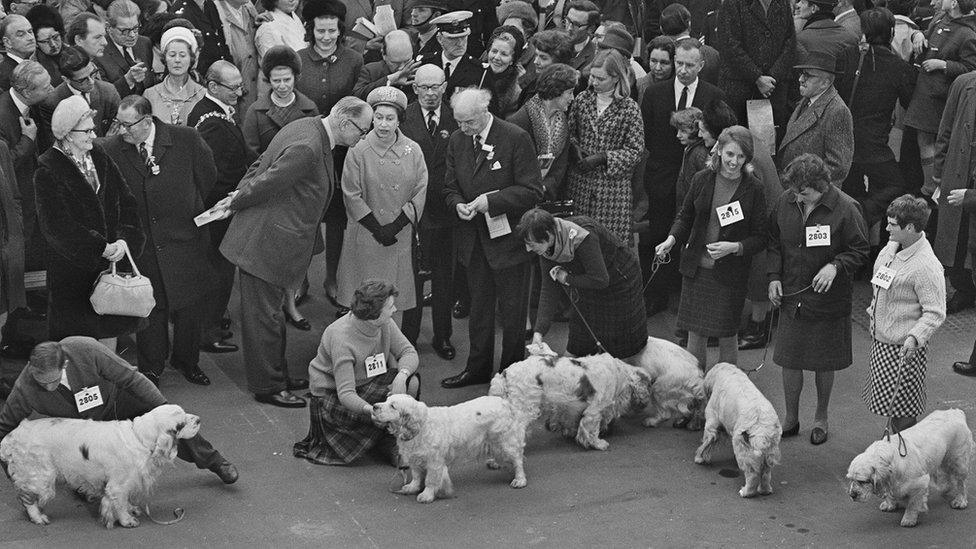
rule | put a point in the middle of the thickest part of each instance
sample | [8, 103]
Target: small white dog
[430, 438]
[678, 389]
[578, 397]
[117, 460]
[938, 452]
[737, 406]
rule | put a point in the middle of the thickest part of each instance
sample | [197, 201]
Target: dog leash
[889, 425]
[655, 265]
[769, 329]
[569, 294]
[178, 512]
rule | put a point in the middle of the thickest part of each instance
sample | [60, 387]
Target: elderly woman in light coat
[384, 184]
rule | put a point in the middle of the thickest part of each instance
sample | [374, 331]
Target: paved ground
[645, 491]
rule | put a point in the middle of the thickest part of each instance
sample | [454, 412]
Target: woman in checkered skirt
[909, 305]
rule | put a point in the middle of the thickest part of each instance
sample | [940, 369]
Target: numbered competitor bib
[883, 277]
[88, 398]
[818, 236]
[375, 365]
[729, 213]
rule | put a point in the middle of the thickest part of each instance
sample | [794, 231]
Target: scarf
[568, 237]
[550, 133]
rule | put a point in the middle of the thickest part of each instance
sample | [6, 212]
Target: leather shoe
[195, 375]
[226, 471]
[444, 349]
[461, 310]
[296, 384]
[964, 368]
[302, 323]
[792, 431]
[463, 379]
[818, 436]
[153, 377]
[225, 324]
[284, 399]
[958, 303]
[219, 347]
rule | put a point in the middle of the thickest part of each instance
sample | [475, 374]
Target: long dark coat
[12, 293]
[954, 163]
[175, 258]
[261, 124]
[436, 214]
[77, 225]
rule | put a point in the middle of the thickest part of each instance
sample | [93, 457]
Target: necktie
[477, 143]
[431, 125]
[447, 70]
[803, 107]
[127, 55]
[683, 101]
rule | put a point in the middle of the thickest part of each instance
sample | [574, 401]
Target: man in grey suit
[277, 209]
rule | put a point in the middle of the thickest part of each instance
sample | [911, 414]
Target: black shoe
[301, 323]
[152, 376]
[219, 347]
[959, 302]
[461, 310]
[754, 337]
[792, 431]
[225, 324]
[818, 436]
[226, 334]
[428, 299]
[964, 369]
[226, 471]
[444, 349]
[195, 375]
[284, 399]
[296, 384]
[463, 379]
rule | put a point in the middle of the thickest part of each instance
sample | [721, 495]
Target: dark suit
[113, 66]
[372, 76]
[465, 72]
[7, 66]
[175, 257]
[102, 98]
[582, 61]
[436, 225]
[497, 267]
[232, 158]
[207, 21]
[278, 207]
[661, 175]
[24, 152]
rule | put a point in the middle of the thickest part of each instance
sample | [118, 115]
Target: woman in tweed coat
[606, 143]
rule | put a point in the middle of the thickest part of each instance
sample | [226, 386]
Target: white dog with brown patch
[117, 460]
[736, 406]
[933, 455]
[678, 390]
[430, 438]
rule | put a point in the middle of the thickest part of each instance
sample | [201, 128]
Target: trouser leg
[152, 342]
[262, 333]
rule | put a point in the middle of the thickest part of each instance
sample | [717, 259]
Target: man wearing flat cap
[462, 70]
[821, 124]
[817, 30]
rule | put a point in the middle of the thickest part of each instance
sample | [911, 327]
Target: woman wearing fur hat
[48, 32]
[329, 68]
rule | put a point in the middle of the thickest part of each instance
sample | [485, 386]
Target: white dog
[737, 406]
[576, 396]
[678, 381]
[117, 460]
[431, 438]
[938, 452]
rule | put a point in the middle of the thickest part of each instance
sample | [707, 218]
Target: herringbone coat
[824, 129]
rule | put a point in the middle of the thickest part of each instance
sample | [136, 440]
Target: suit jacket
[464, 73]
[103, 99]
[657, 106]
[7, 66]
[511, 175]
[754, 42]
[113, 67]
[372, 76]
[207, 21]
[175, 256]
[852, 22]
[824, 129]
[436, 214]
[23, 151]
[280, 203]
[582, 61]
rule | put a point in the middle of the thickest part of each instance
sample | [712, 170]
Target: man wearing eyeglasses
[128, 56]
[78, 75]
[213, 117]
[18, 41]
[581, 21]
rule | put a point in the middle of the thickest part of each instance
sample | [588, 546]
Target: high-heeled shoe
[302, 323]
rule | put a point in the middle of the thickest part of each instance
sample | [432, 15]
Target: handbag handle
[132, 262]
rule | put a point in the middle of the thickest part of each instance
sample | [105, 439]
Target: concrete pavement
[645, 491]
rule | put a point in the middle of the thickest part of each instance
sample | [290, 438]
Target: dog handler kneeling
[80, 378]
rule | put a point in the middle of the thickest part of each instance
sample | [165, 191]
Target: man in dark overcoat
[492, 172]
[169, 170]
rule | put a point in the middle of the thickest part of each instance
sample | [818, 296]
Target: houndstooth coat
[604, 194]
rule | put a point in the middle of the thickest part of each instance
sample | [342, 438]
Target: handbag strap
[132, 262]
[857, 74]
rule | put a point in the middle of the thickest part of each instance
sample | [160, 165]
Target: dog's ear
[165, 446]
[881, 476]
[641, 387]
[410, 422]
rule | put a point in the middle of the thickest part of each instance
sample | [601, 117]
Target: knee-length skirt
[815, 345]
[883, 383]
[708, 307]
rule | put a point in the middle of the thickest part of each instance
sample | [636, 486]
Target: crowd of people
[741, 162]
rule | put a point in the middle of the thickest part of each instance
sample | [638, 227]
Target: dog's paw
[492, 464]
[651, 421]
[599, 444]
[747, 493]
[959, 502]
[888, 506]
[765, 490]
[909, 522]
[408, 489]
[519, 482]
[129, 522]
[425, 497]
[701, 459]
[40, 518]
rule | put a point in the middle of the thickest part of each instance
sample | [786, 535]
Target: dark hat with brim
[828, 4]
[620, 40]
[454, 24]
[819, 60]
[314, 9]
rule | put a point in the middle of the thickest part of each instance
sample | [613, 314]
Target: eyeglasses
[574, 25]
[125, 126]
[83, 79]
[54, 38]
[237, 88]
[130, 31]
[807, 74]
[425, 88]
[90, 131]
[362, 132]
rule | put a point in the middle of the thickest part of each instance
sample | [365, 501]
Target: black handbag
[558, 208]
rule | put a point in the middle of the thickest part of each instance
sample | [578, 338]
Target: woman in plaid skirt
[909, 305]
[362, 358]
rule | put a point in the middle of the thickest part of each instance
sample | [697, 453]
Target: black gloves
[593, 162]
[384, 234]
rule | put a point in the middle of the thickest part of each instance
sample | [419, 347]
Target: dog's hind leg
[918, 500]
[957, 489]
[709, 437]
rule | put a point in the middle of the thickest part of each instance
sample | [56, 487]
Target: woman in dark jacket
[88, 217]
[501, 72]
[283, 104]
[722, 225]
[600, 273]
[817, 241]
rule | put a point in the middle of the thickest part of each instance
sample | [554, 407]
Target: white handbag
[123, 294]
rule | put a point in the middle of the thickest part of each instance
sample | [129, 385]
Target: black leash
[572, 302]
[769, 328]
[889, 425]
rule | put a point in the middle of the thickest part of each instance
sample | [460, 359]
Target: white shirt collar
[151, 139]
[453, 62]
[21, 105]
[16, 58]
[327, 122]
[226, 108]
[678, 86]
[484, 132]
[64, 378]
[437, 113]
[842, 14]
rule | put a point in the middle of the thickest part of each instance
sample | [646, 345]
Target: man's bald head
[470, 107]
[224, 82]
[397, 47]
[429, 83]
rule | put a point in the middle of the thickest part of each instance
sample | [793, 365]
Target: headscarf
[568, 237]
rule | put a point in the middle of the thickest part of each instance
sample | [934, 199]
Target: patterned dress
[604, 193]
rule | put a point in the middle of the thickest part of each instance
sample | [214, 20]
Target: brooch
[445, 134]
[408, 149]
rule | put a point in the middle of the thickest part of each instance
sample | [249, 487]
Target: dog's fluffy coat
[578, 397]
[938, 454]
[117, 460]
[678, 388]
[430, 438]
[737, 406]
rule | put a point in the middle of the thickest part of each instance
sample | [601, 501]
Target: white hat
[179, 33]
[68, 114]
[454, 24]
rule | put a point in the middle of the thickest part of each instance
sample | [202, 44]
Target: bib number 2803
[818, 236]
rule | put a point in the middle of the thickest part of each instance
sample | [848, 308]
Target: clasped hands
[715, 250]
[114, 251]
[467, 211]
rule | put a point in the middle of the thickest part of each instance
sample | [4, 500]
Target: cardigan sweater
[340, 364]
[915, 302]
